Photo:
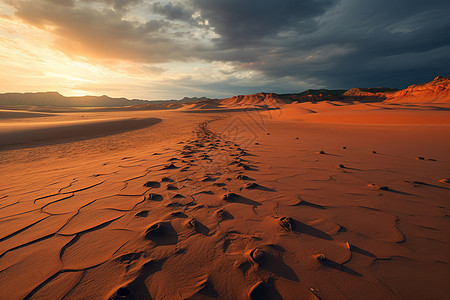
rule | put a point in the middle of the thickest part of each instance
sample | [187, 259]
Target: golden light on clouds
[166, 49]
[32, 61]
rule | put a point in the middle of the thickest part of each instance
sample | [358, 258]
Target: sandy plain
[304, 201]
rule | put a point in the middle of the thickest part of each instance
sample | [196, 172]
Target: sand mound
[53, 132]
[267, 99]
[358, 94]
[203, 104]
[436, 91]
[19, 114]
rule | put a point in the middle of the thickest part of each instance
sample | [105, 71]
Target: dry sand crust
[302, 202]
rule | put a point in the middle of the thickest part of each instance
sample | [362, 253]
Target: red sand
[368, 221]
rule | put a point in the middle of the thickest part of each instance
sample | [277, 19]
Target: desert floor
[309, 201]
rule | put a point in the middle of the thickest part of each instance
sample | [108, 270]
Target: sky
[159, 50]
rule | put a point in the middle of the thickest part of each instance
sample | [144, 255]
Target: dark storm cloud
[338, 44]
[390, 43]
[172, 12]
[330, 43]
[245, 22]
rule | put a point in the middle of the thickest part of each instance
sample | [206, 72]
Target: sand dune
[268, 99]
[436, 91]
[17, 134]
[380, 116]
[15, 114]
[301, 202]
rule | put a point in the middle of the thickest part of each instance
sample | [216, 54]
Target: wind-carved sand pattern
[209, 218]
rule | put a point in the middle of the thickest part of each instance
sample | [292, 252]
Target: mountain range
[436, 91]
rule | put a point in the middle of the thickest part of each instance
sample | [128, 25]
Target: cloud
[172, 11]
[348, 43]
[103, 34]
[319, 43]
[240, 23]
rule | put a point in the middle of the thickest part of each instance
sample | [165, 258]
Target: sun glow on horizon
[169, 49]
[30, 63]
[32, 60]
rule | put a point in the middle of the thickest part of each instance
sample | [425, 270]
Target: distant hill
[56, 99]
[317, 93]
[312, 95]
[368, 94]
[379, 90]
[436, 91]
[194, 99]
[267, 99]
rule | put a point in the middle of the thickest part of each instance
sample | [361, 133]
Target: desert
[225, 149]
[249, 197]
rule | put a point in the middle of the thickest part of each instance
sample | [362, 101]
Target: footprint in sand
[244, 166]
[152, 184]
[258, 291]
[287, 223]
[122, 293]
[170, 167]
[178, 196]
[206, 179]
[155, 197]
[129, 257]
[166, 179]
[377, 187]
[171, 187]
[178, 214]
[191, 224]
[251, 185]
[257, 256]
[234, 162]
[142, 214]
[155, 229]
[230, 197]
[415, 183]
[161, 233]
[204, 157]
[321, 257]
[222, 214]
[243, 177]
